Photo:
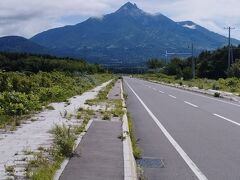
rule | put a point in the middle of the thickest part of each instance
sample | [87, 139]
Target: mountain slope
[20, 44]
[129, 34]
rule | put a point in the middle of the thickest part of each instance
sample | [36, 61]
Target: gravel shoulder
[35, 133]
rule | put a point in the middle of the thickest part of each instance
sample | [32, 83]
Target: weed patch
[136, 149]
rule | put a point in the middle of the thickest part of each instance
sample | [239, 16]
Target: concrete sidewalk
[99, 156]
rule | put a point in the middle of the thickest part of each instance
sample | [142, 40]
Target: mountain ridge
[128, 35]
[21, 45]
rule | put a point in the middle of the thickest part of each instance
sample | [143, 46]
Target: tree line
[209, 64]
[23, 62]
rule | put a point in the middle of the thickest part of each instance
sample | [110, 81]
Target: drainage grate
[150, 163]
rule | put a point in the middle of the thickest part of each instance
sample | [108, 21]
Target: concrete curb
[210, 92]
[130, 168]
[65, 162]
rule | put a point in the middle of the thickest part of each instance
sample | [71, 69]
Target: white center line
[161, 92]
[178, 148]
[172, 96]
[229, 120]
[191, 104]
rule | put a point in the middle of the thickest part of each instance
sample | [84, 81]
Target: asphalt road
[195, 136]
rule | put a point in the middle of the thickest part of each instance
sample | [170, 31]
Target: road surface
[195, 136]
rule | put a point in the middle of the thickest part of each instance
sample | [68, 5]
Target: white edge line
[185, 157]
[229, 120]
[172, 96]
[191, 104]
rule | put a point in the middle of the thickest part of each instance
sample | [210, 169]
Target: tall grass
[137, 152]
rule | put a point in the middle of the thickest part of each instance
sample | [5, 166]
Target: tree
[174, 67]
[234, 70]
[154, 64]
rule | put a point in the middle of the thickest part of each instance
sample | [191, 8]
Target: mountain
[20, 44]
[128, 35]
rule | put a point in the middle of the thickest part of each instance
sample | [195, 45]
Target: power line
[185, 53]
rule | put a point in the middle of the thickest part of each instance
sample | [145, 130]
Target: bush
[15, 103]
[23, 93]
[187, 73]
[64, 140]
[215, 86]
[234, 70]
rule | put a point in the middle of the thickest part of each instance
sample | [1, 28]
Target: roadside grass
[113, 107]
[48, 161]
[64, 140]
[49, 107]
[137, 152]
[102, 95]
[10, 170]
[24, 94]
[229, 85]
[43, 167]
[140, 173]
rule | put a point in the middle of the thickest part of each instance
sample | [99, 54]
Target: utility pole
[193, 65]
[166, 60]
[230, 55]
[232, 60]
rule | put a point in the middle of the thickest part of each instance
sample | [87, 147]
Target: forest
[209, 64]
[212, 71]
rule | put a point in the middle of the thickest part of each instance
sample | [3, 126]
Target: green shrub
[106, 116]
[23, 93]
[64, 140]
[16, 103]
[215, 86]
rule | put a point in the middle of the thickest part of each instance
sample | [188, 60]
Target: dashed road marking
[191, 104]
[172, 96]
[229, 120]
[178, 148]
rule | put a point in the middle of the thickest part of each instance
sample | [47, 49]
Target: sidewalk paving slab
[99, 156]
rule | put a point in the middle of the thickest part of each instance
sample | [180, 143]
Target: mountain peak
[128, 6]
[130, 9]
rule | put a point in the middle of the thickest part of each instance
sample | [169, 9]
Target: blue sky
[29, 17]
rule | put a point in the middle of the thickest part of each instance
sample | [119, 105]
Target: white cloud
[212, 14]
[28, 17]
